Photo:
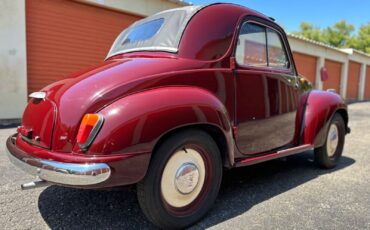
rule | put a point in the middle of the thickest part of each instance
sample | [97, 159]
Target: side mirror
[324, 74]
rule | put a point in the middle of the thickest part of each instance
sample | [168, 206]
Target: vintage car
[182, 95]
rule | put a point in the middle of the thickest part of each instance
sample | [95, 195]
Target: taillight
[89, 128]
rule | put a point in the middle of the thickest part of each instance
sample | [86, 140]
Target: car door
[266, 88]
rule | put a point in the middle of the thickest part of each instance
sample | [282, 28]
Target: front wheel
[329, 154]
[182, 181]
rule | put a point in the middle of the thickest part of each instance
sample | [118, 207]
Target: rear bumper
[69, 174]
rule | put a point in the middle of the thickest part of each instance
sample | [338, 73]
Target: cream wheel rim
[332, 140]
[183, 178]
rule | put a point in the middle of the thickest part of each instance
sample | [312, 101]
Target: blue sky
[323, 13]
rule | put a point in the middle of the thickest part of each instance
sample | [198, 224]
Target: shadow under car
[241, 189]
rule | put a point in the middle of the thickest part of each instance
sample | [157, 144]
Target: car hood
[93, 89]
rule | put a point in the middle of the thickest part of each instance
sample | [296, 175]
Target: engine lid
[38, 122]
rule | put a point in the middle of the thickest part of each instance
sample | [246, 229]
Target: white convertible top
[159, 32]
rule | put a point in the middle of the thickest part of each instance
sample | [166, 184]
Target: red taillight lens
[90, 125]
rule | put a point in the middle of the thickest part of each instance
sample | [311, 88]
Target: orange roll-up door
[67, 36]
[353, 80]
[334, 71]
[306, 65]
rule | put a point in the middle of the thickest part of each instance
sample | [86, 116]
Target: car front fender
[320, 108]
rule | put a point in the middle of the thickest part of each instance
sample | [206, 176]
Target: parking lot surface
[281, 194]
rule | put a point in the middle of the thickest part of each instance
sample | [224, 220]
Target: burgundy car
[181, 96]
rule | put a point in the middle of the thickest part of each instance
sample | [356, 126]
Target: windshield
[160, 32]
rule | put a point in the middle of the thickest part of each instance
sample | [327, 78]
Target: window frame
[282, 46]
[266, 24]
[265, 44]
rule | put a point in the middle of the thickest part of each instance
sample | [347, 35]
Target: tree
[362, 41]
[339, 35]
[309, 31]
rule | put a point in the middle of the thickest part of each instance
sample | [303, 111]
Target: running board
[272, 156]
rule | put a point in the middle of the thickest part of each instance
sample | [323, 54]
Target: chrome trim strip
[297, 149]
[150, 48]
[275, 155]
[331, 90]
[57, 172]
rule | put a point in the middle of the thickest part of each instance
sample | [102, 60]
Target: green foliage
[341, 35]
[338, 35]
[363, 39]
[309, 31]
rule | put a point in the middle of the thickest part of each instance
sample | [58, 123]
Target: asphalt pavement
[290, 194]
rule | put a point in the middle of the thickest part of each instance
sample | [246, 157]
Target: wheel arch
[143, 119]
[344, 114]
[321, 107]
[213, 131]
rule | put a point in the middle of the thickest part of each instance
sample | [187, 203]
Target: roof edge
[181, 2]
[142, 8]
[349, 51]
[316, 43]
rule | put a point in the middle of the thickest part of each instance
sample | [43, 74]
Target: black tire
[322, 157]
[149, 191]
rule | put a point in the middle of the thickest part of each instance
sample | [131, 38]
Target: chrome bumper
[69, 174]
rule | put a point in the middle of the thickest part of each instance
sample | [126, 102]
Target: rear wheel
[329, 154]
[182, 181]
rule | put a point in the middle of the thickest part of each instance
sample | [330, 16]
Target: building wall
[13, 67]
[367, 83]
[13, 46]
[141, 7]
[351, 82]
[346, 67]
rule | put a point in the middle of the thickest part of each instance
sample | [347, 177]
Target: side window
[251, 48]
[276, 53]
[261, 47]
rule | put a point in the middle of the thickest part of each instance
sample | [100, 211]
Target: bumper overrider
[69, 174]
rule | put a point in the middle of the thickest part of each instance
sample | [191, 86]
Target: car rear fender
[135, 123]
[320, 108]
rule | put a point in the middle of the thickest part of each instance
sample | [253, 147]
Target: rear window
[144, 31]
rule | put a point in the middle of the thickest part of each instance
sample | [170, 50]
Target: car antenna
[273, 19]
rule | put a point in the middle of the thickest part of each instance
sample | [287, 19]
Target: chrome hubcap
[183, 178]
[187, 178]
[332, 140]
